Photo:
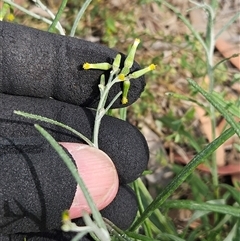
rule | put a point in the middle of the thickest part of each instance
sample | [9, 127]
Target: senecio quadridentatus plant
[116, 75]
[100, 232]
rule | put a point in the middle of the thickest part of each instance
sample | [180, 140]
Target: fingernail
[99, 175]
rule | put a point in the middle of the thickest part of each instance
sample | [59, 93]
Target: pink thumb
[99, 175]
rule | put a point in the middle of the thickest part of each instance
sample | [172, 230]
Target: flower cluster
[122, 74]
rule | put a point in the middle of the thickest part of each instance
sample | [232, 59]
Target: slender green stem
[79, 16]
[101, 111]
[181, 177]
[72, 168]
[112, 101]
[232, 20]
[186, 22]
[48, 120]
[43, 7]
[123, 113]
[58, 15]
[80, 235]
[210, 70]
[29, 12]
[187, 98]
[208, 47]
[225, 59]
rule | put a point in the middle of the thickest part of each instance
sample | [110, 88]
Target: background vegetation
[178, 117]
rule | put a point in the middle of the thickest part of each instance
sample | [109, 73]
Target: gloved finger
[53, 235]
[126, 208]
[99, 175]
[41, 64]
[35, 190]
[122, 142]
[122, 210]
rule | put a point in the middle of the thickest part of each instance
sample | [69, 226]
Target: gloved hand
[35, 184]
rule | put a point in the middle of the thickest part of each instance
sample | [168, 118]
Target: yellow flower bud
[10, 17]
[116, 62]
[121, 77]
[142, 72]
[102, 66]
[126, 86]
[65, 216]
[152, 66]
[124, 100]
[130, 58]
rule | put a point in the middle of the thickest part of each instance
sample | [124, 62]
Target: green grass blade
[168, 237]
[235, 194]
[230, 106]
[232, 233]
[206, 207]
[117, 232]
[140, 237]
[217, 105]
[146, 223]
[158, 220]
[181, 177]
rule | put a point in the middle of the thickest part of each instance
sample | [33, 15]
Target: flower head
[130, 58]
[126, 86]
[116, 63]
[102, 66]
[10, 17]
[142, 72]
[121, 77]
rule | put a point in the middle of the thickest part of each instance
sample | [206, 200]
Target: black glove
[34, 66]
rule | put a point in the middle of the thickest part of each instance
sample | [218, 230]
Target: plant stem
[58, 15]
[208, 47]
[79, 16]
[29, 12]
[43, 7]
[186, 22]
[72, 168]
[210, 39]
[51, 121]
[232, 20]
[101, 111]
